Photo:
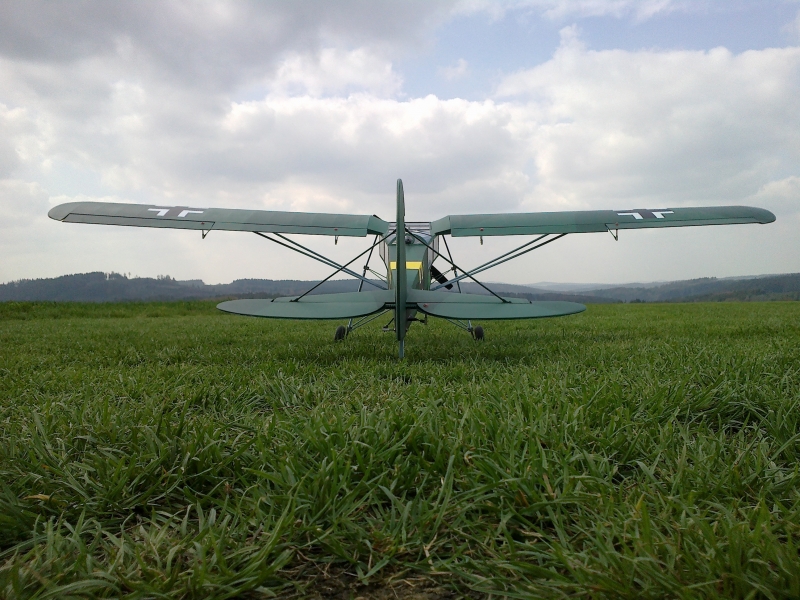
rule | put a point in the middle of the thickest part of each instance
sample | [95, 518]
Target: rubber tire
[341, 333]
[477, 333]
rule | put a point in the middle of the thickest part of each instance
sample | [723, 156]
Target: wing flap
[222, 219]
[592, 221]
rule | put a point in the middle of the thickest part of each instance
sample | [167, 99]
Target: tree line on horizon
[116, 287]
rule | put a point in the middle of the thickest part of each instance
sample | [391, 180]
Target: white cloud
[663, 127]
[570, 39]
[457, 71]
[567, 9]
[640, 9]
[21, 202]
[216, 45]
[793, 28]
[9, 156]
[322, 125]
[335, 71]
[358, 143]
[781, 197]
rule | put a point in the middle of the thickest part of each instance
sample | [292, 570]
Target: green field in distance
[170, 450]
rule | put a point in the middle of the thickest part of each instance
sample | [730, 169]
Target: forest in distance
[116, 287]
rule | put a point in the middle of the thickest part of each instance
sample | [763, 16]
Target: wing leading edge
[231, 219]
[591, 221]
[218, 219]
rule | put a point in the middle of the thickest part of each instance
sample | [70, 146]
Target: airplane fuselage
[418, 256]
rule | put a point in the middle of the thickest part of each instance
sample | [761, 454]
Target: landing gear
[477, 333]
[341, 333]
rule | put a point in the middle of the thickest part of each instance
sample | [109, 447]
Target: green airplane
[412, 285]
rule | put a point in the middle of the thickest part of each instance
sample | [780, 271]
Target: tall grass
[172, 451]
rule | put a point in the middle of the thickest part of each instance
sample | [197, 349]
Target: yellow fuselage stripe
[409, 265]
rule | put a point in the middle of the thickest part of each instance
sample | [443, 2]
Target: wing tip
[764, 216]
[61, 211]
[759, 215]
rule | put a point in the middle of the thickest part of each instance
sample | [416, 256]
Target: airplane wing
[589, 221]
[225, 219]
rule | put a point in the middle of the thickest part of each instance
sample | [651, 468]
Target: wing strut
[342, 268]
[350, 326]
[497, 261]
[468, 327]
[366, 266]
[455, 271]
[318, 257]
[432, 249]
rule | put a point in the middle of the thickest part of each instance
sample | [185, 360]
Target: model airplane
[412, 284]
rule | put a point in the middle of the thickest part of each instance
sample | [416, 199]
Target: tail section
[401, 289]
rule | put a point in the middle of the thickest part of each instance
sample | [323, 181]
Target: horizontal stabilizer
[322, 306]
[480, 307]
[438, 304]
[218, 219]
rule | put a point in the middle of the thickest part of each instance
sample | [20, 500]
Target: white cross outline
[659, 214]
[163, 211]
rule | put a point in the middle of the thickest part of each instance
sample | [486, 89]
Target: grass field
[169, 450]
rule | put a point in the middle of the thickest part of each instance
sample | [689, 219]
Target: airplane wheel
[477, 333]
[341, 333]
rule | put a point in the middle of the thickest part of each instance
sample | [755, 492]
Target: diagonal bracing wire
[366, 266]
[497, 261]
[350, 326]
[343, 268]
[421, 241]
[318, 257]
[449, 282]
[455, 271]
[368, 319]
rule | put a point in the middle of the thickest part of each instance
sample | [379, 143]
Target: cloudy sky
[478, 106]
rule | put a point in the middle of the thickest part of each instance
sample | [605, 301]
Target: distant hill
[113, 287]
[710, 289]
[535, 294]
[706, 289]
